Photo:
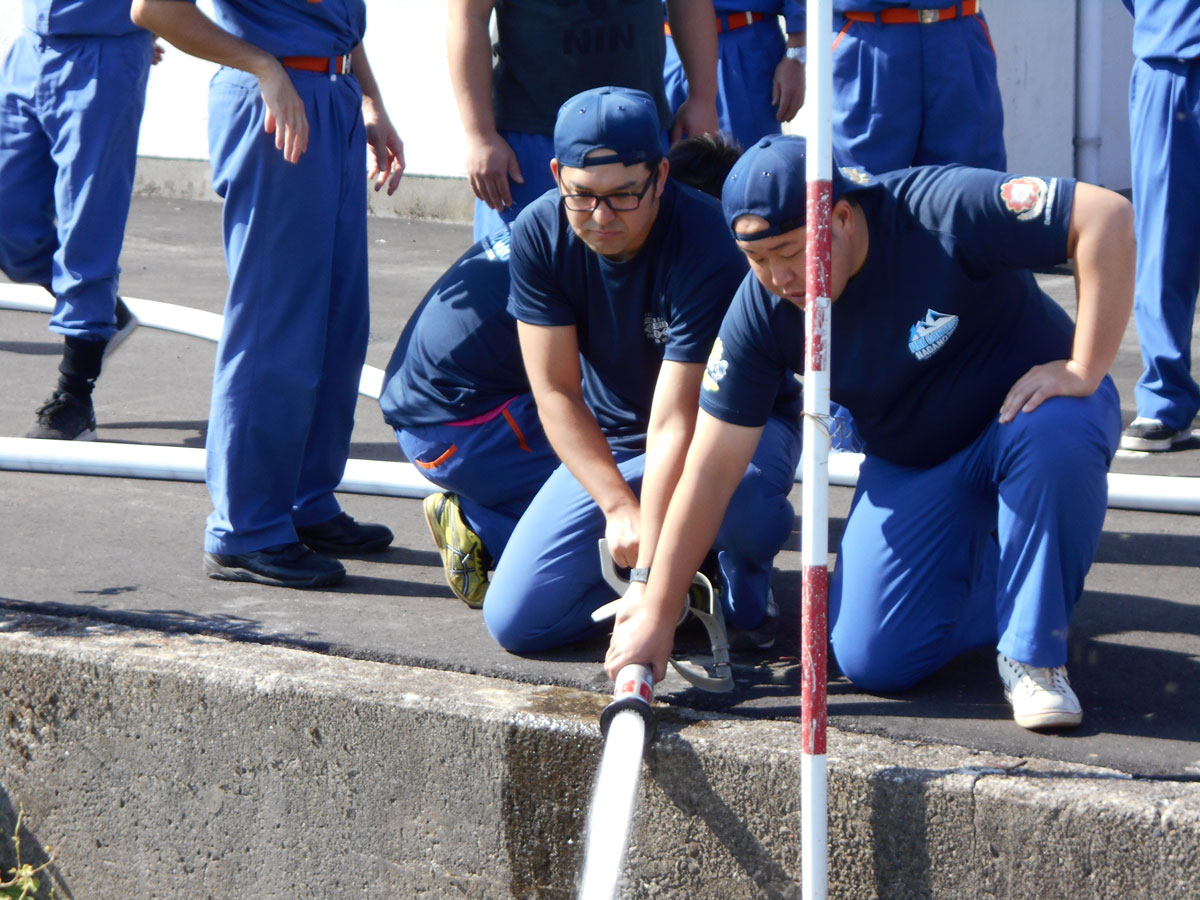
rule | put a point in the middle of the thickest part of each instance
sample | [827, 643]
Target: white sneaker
[1040, 698]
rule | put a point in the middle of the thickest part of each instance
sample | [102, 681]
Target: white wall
[1035, 46]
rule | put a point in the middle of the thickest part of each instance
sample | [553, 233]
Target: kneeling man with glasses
[620, 279]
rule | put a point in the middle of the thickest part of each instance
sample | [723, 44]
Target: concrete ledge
[177, 766]
[418, 197]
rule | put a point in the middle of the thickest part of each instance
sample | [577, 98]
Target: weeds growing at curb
[24, 882]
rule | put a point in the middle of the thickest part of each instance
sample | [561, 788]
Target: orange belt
[900, 16]
[330, 65]
[729, 21]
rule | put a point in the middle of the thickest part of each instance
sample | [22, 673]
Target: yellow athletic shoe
[464, 557]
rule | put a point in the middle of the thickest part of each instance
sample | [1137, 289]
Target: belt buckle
[928, 16]
[345, 64]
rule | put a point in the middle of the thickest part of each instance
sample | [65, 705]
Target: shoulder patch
[1025, 196]
[855, 174]
[716, 368]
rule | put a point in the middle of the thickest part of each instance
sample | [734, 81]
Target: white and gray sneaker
[1040, 698]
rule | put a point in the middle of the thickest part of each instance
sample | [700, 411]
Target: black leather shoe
[342, 534]
[286, 565]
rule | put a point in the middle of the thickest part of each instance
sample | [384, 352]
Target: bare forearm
[693, 28]
[189, 29]
[469, 50]
[577, 439]
[366, 78]
[1105, 256]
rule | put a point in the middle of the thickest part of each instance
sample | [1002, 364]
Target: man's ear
[842, 218]
[554, 169]
[664, 166]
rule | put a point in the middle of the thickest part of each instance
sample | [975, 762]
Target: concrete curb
[180, 766]
[418, 196]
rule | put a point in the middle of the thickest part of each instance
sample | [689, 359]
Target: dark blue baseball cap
[619, 119]
[769, 181]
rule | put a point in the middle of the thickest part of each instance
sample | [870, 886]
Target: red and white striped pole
[814, 814]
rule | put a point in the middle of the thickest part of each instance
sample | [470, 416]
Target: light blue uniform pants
[70, 109]
[548, 582]
[295, 337]
[989, 547]
[913, 95]
[746, 61]
[1164, 121]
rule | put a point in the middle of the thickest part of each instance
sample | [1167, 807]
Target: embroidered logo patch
[930, 334]
[855, 174]
[1025, 196]
[656, 328]
[716, 368]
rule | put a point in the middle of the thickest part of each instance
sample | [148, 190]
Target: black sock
[80, 366]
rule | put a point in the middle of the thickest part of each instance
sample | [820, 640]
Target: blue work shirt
[935, 328]
[458, 356]
[666, 303]
[840, 7]
[77, 18]
[295, 28]
[1165, 29]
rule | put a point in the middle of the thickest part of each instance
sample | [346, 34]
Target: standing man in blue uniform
[619, 281]
[456, 393]
[1164, 128]
[760, 80]
[547, 51]
[914, 86]
[988, 416]
[72, 91]
[291, 116]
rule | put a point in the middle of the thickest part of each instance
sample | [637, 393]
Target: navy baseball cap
[619, 119]
[769, 181]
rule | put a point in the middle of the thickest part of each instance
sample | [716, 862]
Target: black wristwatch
[639, 576]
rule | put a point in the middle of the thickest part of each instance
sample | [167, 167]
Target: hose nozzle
[632, 691]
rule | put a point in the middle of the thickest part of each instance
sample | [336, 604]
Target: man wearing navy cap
[292, 114]
[619, 282]
[988, 417]
[456, 393]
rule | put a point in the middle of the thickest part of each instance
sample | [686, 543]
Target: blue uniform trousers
[912, 95]
[990, 547]
[495, 467]
[1164, 122]
[746, 61]
[548, 582]
[295, 336]
[70, 109]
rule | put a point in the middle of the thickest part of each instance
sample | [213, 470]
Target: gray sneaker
[1040, 698]
[1152, 435]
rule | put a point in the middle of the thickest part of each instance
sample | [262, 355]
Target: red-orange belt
[905, 16]
[729, 21]
[329, 65]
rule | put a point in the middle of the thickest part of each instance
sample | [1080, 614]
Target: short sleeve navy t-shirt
[666, 302]
[940, 322]
[458, 356]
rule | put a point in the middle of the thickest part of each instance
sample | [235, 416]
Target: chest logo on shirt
[1025, 196]
[655, 328]
[930, 334]
[716, 368]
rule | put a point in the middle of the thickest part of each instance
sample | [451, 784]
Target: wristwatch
[799, 54]
[639, 576]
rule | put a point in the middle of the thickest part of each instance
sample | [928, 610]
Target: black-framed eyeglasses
[623, 201]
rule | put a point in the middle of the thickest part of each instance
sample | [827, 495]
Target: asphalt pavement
[129, 550]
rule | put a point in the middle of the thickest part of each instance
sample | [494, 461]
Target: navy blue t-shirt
[940, 322]
[458, 356]
[666, 302]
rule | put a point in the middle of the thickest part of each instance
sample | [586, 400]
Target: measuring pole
[814, 815]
